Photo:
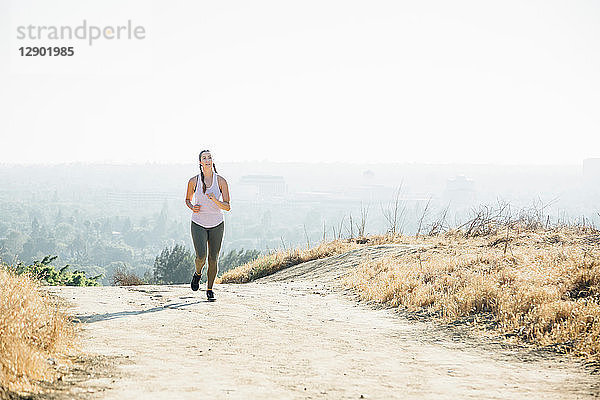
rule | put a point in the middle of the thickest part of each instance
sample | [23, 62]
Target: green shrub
[49, 275]
[174, 265]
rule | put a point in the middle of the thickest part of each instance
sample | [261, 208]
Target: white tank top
[209, 215]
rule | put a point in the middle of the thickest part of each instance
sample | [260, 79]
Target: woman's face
[206, 160]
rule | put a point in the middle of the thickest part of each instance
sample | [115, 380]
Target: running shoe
[210, 295]
[195, 282]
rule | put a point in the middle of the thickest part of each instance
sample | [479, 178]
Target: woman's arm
[223, 205]
[190, 194]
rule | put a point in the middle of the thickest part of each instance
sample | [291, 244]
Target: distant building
[460, 189]
[591, 170]
[591, 178]
[138, 199]
[263, 185]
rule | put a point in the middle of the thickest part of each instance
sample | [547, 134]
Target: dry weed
[282, 259]
[34, 334]
[122, 277]
[536, 285]
[540, 286]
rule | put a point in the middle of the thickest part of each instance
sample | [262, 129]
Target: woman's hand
[221, 204]
[196, 208]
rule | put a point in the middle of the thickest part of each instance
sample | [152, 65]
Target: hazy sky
[327, 80]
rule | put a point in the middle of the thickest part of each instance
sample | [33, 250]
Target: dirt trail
[297, 335]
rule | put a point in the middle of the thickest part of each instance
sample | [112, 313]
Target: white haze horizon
[462, 82]
[267, 161]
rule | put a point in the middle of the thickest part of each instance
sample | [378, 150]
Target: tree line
[101, 247]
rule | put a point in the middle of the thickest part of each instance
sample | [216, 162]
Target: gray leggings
[213, 237]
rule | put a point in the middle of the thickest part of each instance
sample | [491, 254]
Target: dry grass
[540, 286]
[282, 259]
[515, 275]
[34, 334]
[122, 277]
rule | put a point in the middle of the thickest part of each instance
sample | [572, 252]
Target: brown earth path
[298, 335]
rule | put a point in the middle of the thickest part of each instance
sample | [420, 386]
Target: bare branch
[351, 227]
[364, 212]
[394, 214]
[306, 236]
[341, 226]
[423, 216]
[438, 226]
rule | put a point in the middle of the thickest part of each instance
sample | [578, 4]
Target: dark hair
[202, 172]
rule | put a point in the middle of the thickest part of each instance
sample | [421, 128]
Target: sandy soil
[296, 334]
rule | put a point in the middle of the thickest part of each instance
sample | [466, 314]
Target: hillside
[297, 334]
[529, 285]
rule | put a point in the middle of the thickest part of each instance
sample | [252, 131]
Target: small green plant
[49, 275]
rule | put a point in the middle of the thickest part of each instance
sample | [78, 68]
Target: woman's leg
[215, 237]
[200, 239]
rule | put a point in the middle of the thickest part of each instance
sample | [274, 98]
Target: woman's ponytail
[202, 179]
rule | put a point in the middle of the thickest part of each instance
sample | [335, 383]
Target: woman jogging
[207, 195]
